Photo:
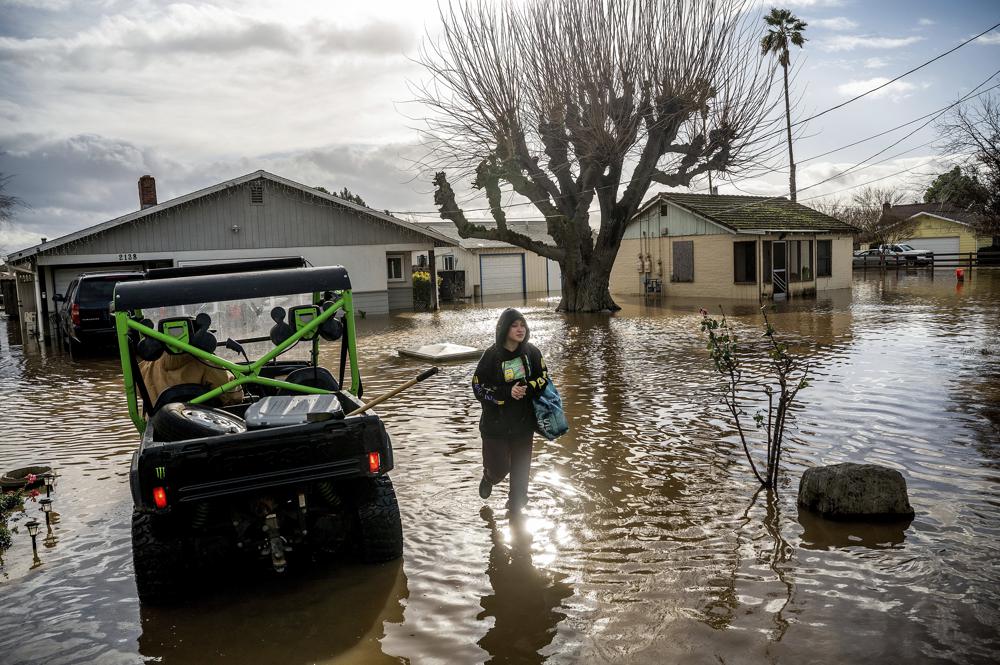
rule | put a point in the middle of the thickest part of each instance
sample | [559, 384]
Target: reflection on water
[313, 617]
[525, 600]
[644, 541]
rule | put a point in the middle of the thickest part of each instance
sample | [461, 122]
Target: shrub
[784, 376]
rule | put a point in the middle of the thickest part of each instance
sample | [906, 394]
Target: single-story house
[256, 216]
[940, 227]
[493, 268]
[702, 245]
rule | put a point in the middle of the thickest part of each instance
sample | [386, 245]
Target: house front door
[779, 270]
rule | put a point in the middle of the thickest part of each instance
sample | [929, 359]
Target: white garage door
[502, 274]
[936, 245]
[63, 276]
[554, 276]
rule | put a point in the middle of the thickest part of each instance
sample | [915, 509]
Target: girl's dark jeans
[509, 455]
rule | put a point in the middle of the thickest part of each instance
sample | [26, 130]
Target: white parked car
[898, 252]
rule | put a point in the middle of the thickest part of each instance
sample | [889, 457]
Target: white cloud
[835, 23]
[990, 38]
[926, 21]
[897, 90]
[875, 63]
[851, 42]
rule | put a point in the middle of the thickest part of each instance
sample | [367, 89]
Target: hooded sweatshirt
[498, 371]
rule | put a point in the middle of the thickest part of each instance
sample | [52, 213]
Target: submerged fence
[935, 261]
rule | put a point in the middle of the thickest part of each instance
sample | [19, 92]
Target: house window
[745, 262]
[394, 268]
[683, 253]
[824, 258]
[766, 268]
[257, 193]
[800, 261]
[449, 262]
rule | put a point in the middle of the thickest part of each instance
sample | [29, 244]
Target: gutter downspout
[39, 329]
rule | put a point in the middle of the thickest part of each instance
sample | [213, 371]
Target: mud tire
[158, 560]
[381, 530]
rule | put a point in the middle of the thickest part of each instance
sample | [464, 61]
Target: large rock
[855, 491]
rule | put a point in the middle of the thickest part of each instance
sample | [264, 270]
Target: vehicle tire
[177, 421]
[158, 560]
[380, 526]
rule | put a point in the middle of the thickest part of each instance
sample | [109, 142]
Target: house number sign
[128, 256]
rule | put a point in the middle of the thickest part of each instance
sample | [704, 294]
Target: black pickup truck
[246, 459]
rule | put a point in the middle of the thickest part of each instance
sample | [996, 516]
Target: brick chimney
[147, 192]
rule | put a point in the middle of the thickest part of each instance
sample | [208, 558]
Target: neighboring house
[256, 216]
[495, 268]
[939, 227]
[8, 292]
[700, 245]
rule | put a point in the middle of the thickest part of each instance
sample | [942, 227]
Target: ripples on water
[644, 541]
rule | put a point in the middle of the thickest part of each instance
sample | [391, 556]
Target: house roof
[947, 211]
[235, 182]
[752, 213]
[536, 230]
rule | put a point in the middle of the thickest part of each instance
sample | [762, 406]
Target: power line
[892, 129]
[795, 124]
[904, 74]
[857, 166]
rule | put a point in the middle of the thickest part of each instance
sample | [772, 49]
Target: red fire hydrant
[960, 274]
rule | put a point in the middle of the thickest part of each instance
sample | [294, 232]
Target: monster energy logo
[161, 472]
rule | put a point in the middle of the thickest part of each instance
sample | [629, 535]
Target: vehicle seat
[183, 392]
[314, 377]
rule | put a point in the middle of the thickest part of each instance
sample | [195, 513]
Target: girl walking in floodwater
[509, 375]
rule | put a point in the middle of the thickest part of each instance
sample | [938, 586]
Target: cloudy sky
[97, 93]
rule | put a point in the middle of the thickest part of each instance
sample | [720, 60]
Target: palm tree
[784, 29]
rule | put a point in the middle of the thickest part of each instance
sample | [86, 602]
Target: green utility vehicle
[269, 463]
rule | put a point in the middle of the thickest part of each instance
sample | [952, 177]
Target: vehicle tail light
[374, 462]
[74, 313]
[160, 497]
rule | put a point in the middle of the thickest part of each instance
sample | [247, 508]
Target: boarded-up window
[683, 251]
[745, 262]
[257, 193]
[824, 258]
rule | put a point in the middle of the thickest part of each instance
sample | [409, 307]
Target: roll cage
[167, 287]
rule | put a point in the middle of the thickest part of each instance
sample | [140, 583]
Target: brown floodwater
[645, 540]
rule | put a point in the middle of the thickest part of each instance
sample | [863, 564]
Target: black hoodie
[498, 371]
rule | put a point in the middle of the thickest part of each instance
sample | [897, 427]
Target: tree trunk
[585, 287]
[788, 124]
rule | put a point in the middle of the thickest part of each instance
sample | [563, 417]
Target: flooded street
[643, 542]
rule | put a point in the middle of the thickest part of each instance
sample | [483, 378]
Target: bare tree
[569, 103]
[8, 202]
[974, 130]
[872, 210]
[866, 211]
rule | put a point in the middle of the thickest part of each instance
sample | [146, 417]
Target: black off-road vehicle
[287, 471]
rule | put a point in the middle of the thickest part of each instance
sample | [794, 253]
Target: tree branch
[444, 199]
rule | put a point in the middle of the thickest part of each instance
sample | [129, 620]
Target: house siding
[677, 222]
[928, 226]
[207, 223]
[713, 267]
[534, 266]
